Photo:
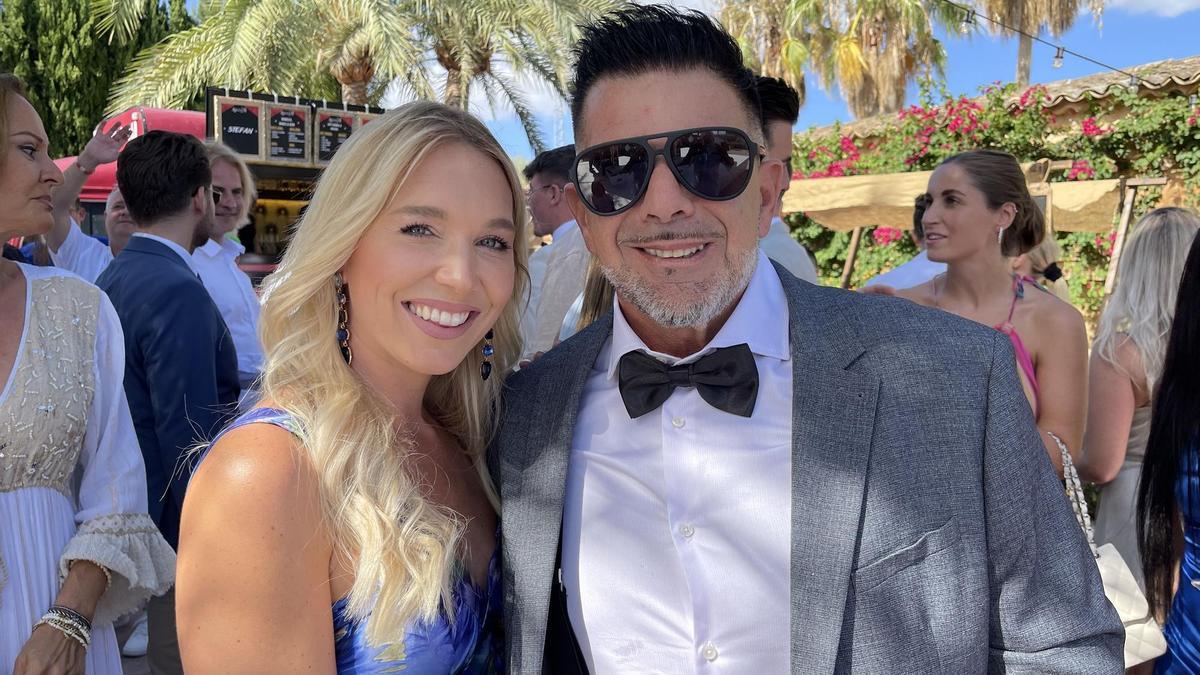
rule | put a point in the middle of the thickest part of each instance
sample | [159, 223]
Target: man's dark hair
[780, 103]
[159, 172]
[643, 38]
[920, 205]
[555, 163]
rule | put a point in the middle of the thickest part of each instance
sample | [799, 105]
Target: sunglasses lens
[714, 163]
[611, 177]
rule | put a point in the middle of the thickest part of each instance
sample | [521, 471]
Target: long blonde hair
[401, 547]
[1143, 304]
[1042, 256]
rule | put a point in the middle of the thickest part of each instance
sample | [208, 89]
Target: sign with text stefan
[333, 129]
[239, 125]
[289, 137]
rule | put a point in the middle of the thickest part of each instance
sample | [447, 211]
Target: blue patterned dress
[1182, 629]
[470, 644]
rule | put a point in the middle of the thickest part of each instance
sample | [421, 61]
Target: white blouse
[72, 479]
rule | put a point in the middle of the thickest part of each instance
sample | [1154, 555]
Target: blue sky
[1133, 32]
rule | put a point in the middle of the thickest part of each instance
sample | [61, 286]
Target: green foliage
[354, 51]
[54, 46]
[1124, 135]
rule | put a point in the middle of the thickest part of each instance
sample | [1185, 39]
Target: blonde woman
[1126, 362]
[1040, 264]
[346, 524]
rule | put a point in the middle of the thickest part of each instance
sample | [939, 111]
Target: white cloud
[1167, 8]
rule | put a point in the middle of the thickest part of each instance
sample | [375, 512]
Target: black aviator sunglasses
[713, 163]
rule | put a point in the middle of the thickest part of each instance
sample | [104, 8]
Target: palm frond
[119, 19]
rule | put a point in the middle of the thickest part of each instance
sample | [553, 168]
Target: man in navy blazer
[180, 365]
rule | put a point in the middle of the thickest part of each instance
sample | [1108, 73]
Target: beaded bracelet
[69, 629]
[70, 614]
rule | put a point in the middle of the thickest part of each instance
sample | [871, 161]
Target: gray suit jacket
[929, 532]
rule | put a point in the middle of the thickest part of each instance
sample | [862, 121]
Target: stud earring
[485, 368]
[343, 319]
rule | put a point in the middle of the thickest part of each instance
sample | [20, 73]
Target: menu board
[239, 126]
[288, 130]
[364, 117]
[333, 129]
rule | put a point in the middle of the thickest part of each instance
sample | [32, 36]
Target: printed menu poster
[333, 129]
[288, 134]
[239, 127]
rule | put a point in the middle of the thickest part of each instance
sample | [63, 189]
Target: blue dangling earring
[485, 368]
[343, 319]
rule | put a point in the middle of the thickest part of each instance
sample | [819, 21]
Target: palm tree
[355, 49]
[871, 49]
[777, 38]
[1032, 17]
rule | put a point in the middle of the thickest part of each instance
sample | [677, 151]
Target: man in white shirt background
[70, 248]
[556, 271]
[780, 110]
[918, 270]
[216, 260]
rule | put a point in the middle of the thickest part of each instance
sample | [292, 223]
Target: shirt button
[709, 652]
[687, 530]
[678, 422]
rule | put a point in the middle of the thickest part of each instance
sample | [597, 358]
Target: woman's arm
[252, 591]
[50, 650]
[1062, 372]
[1112, 398]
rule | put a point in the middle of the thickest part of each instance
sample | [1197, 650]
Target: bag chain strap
[1075, 493]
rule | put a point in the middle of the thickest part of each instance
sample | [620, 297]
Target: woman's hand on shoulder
[252, 587]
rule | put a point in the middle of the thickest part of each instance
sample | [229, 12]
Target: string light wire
[971, 13]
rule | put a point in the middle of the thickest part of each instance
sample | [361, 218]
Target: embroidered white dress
[72, 480]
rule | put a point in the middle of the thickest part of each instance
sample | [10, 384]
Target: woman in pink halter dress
[980, 215]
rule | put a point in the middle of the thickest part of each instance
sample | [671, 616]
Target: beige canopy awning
[887, 199]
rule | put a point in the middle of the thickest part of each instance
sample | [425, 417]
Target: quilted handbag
[1143, 636]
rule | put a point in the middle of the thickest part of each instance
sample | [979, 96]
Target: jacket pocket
[881, 569]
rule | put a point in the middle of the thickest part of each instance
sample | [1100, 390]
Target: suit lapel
[532, 514]
[833, 416]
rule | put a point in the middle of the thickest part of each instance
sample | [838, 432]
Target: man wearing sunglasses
[738, 472]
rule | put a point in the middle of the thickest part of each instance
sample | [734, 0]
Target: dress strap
[1024, 359]
[275, 416]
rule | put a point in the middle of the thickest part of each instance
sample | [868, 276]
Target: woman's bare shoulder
[922, 294]
[259, 467]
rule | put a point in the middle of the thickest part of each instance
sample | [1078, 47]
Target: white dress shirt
[912, 273]
[783, 249]
[677, 525]
[537, 275]
[82, 255]
[179, 250]
[566, 271]
[231, 290]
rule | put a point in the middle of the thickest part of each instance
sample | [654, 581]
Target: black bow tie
[726, 379]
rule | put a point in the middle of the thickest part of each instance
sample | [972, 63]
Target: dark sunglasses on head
[713, 163]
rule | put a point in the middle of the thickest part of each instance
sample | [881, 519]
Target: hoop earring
[485, 368]
[1000, 236]
[343, 320]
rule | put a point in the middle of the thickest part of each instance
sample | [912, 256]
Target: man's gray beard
[711, 296]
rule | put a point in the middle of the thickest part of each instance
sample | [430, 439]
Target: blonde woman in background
[1040, 264]
[1126, 362]
[346, 523]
